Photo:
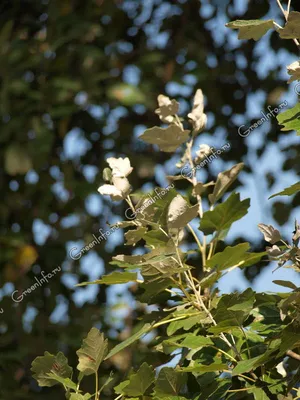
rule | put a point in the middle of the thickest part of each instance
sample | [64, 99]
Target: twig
[292, 354]
[286, 16]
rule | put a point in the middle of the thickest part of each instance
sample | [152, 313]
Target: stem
[246, 340]
[128, 199]
[195, 237]
[286, 16]
[224, 352]
[292, 354]
[169, 320]
[97, 387]
[281, 8]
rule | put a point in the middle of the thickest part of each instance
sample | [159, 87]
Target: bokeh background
[79, 82]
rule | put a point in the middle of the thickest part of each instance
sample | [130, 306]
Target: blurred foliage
[79, 80]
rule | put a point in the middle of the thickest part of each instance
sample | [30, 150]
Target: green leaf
[92, 352]
[167, 139]
[290, 338]
[139, 382]
[185, 324]
[291, 29]
[245, 366]
[67, 382]
[287, 284]
[224, 215]
[196, 342]
[77, 396]
[224, 181]
[233, 256]
[229, 257]
[113, 278]
[288, 191]
[232, 310]
[290, 119]
[252, 363]
[205, 368]
[169, 382]
[251, 29]
[145, 329]
[258, 393]
[48, 363]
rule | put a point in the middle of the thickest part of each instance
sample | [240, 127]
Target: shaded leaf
[138, 383]
[169, 382]
[145, 329]
[48, 363]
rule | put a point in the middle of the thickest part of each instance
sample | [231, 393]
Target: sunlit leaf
[92, 352]
[167, 139]
[224, 215]
[251, 29]
[290, 119]
[288, 191]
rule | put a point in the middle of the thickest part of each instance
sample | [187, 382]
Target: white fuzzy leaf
[294, 71]
[120, 166]
[197, 115]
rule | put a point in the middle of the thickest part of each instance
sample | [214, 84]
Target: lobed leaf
[55, 365]
[224, 215]
[92, 352]
[290, 119]
[251, 29]
[167, 139]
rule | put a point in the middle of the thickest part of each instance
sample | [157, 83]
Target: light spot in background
[31, 177]
[90, 172]
[28, 318]
[41, 231]
[59, 190]
[131, 75]
[75, 144]
[69, 221]
[60, 313]
[81, 98]
[93, 204]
